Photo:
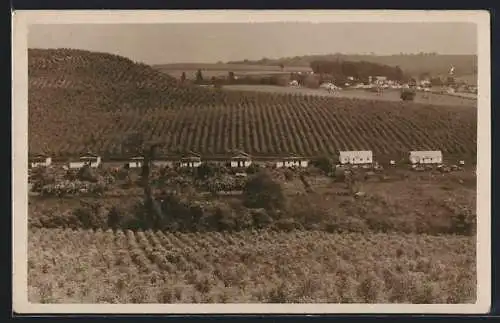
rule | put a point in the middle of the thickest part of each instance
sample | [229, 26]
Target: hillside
[410, 64]
[80, 101]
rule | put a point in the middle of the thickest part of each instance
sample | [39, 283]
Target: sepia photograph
[251, 162]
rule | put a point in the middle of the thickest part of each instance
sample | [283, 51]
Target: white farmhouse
[40, 161]
[136, 162]
[426, 157]
[356, 157]
[240, 160]
[91, 160]
[292, 161]
[191, 160]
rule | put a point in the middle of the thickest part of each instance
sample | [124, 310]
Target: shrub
[323, 163]
[87, 174]
[408, 95]
[463, 221]
[261, 191]
[92, 216]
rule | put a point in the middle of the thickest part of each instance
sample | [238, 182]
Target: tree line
[341, 70]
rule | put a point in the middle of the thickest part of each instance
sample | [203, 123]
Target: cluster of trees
[341, 70]
[218, 81]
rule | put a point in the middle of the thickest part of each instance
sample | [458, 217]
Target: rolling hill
[81, 101]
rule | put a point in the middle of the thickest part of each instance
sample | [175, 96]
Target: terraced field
[157, 267]
[81, 101]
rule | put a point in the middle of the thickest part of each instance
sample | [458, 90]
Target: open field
[81, 101]
[388, 95]
[157, 267]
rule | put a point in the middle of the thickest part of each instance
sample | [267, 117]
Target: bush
[323, 163]
[289, 175]
[87, 174]
[206, 170]
[253, 169]
[261, 191]
[73, 188]
[463, 222]
[408, 95]
[92, 216]
[260, 218]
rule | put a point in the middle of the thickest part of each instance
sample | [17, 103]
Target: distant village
[383, 82]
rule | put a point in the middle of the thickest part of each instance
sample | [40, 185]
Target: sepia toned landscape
[310, 179]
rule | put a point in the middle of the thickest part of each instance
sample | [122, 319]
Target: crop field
[74, 109]
[215, 234]
[388, 95]
[156, 267]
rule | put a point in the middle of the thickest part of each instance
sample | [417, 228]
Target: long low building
[426, 157]
[356, 157]
[292, 161]
[91, 160]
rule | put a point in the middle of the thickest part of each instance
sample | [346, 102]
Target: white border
[22, 19]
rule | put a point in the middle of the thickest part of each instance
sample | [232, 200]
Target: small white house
[191, 159]
[356, 157]
[91, 160]
[40, 161]
[292, 161]
[136, 162]
[426, 157]
[241, 160]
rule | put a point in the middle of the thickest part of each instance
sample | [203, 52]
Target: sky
[209, 42]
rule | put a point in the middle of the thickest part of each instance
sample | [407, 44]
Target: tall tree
[199, 76]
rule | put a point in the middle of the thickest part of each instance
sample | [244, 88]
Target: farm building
[292, 161]
[40, 161]
[89, 159]
[426, 157]
[191, 159]
[240, 159]
[136, 162]
[356, 157]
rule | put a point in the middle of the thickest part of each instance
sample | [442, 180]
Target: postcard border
[23, 18]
